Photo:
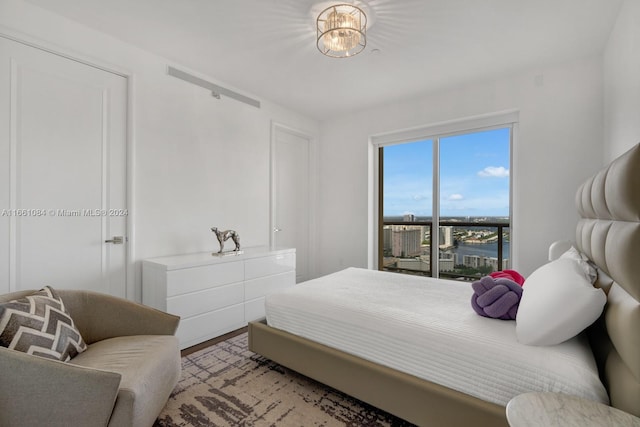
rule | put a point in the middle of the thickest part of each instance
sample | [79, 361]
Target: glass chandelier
[341, 30]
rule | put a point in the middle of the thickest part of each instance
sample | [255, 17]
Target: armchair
[124, 378]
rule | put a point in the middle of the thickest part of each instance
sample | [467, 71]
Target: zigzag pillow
[39, 324]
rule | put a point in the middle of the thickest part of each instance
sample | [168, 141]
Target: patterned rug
[227, 385]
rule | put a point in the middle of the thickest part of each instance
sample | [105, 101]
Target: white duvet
[426, 327]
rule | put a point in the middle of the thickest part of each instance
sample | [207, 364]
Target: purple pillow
[497, 298]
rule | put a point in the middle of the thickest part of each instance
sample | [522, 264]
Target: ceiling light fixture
[341, 30]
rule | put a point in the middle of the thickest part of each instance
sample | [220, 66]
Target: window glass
[407, 206]
[474, 174]
[471, 230]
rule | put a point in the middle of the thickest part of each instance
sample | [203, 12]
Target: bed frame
[406, 396]
[608, 232]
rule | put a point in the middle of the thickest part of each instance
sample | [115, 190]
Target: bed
[608, 233]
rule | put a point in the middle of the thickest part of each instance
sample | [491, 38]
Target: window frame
[504, 119]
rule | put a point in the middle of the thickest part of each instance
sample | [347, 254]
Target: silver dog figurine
[226, 235]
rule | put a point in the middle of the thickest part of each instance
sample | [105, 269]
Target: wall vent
[216, 90]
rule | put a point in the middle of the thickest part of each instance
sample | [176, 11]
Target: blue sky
[474, 176]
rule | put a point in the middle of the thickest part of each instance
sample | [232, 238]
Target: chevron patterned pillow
[39, 324]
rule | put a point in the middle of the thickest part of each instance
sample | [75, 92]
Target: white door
[290, 197]
[62, 173]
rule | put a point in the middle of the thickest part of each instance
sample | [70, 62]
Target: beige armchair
[124, 378]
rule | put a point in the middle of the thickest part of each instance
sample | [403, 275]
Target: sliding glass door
[445, 204]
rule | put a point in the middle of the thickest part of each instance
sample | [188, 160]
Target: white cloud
[494, 172]
[456, 197]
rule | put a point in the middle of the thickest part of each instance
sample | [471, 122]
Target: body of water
[484, 249]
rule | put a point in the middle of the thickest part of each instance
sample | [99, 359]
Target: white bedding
[426, 327]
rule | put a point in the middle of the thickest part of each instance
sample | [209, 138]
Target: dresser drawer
[203, 301]
[272, 264]
[200, 328]
[194, 279]
[265, 285]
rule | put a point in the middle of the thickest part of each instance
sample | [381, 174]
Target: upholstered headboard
[609, 233]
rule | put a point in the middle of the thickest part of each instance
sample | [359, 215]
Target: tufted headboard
[609, 233]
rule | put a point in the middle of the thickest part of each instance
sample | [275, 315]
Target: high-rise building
[409, 218]
[406, 242]
[473, 261]
[386, 238]
[446, 237]
[449, 255]
[477, 261]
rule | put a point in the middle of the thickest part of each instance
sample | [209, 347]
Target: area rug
[227, 385]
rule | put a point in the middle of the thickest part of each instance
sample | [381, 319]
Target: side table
[562, 410]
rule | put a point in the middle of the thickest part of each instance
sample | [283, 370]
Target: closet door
[290, 195]
[63, 173]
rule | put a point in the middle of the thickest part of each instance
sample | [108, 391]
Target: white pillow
[558, 302]
[584, 262]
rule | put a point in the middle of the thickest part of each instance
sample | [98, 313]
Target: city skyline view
[474, 176]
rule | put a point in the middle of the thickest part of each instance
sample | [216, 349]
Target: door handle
[276, 229]
[117, 240]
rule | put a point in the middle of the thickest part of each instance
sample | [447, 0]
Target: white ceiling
[266, 48]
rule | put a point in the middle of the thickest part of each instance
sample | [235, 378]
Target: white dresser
[214, 295]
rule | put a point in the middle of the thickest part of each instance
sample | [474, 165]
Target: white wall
[622, 82]
[198, 162]
[559, 144]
